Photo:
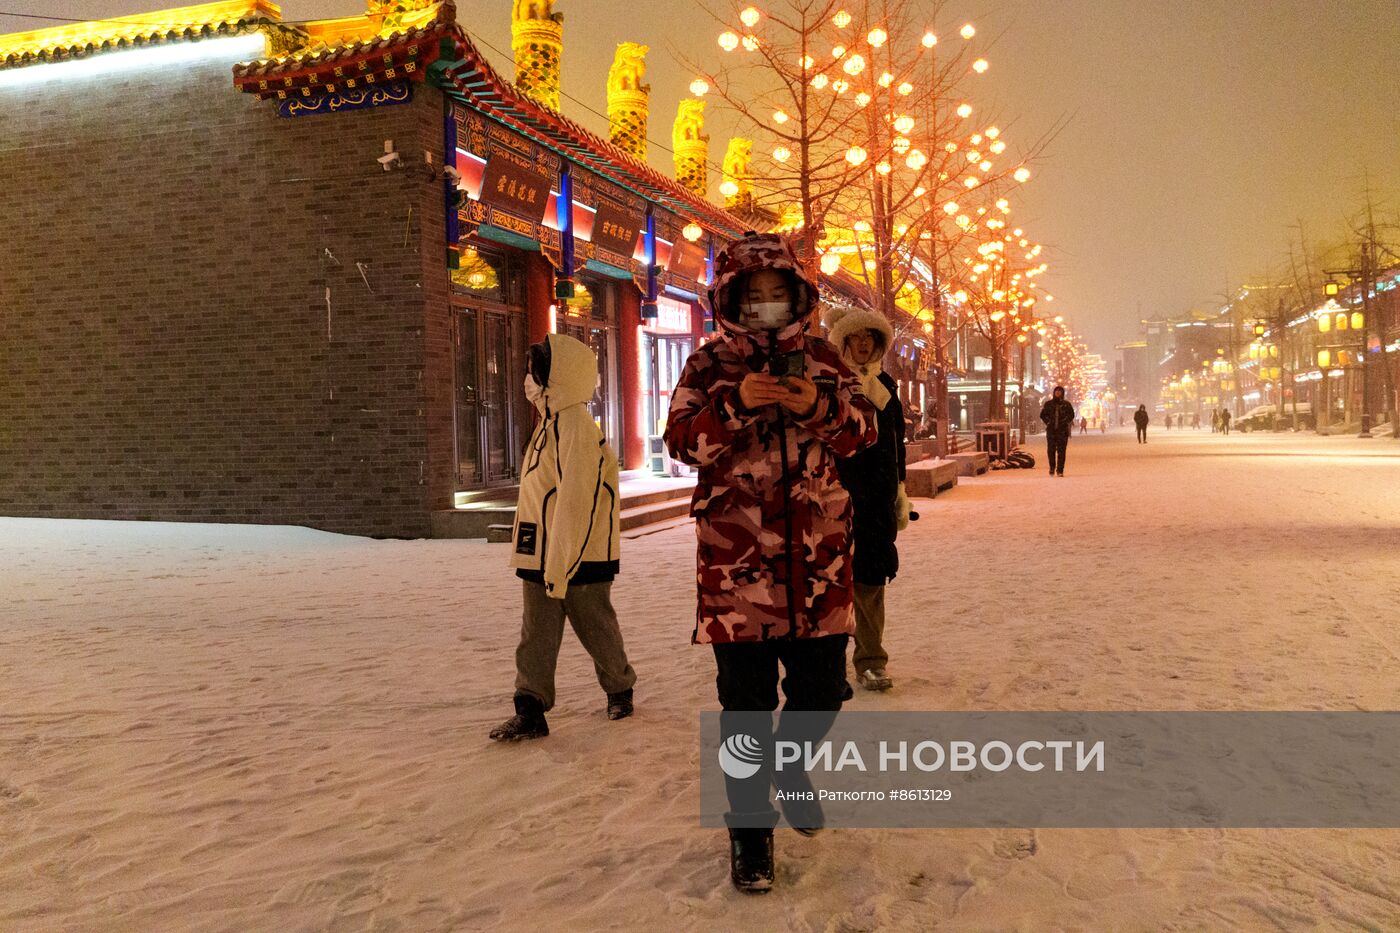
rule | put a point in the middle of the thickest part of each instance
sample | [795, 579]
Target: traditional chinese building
[259, 271]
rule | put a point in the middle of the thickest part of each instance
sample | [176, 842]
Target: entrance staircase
[648, 501]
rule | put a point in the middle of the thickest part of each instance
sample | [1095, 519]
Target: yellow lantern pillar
[737, 186]
[691, 147]
[628, 99]
[537, 39]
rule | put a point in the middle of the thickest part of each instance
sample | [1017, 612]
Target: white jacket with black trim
[567, 526]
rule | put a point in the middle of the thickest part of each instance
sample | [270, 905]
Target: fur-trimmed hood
[843, 322]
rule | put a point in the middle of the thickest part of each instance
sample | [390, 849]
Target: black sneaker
[527, 723]
[751, 860]
[620, 704]
[847, 694]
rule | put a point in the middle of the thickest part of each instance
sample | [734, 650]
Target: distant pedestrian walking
[1058, 415]
[1224, 421]
[1168, 421]
[566, 540]
[1084, 425]
[1140, 418]
[1214, 420]
[1196, 421]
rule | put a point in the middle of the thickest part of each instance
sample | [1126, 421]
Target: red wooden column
[539, 294]
[629, 319]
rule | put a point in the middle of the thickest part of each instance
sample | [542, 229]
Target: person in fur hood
[875, 479]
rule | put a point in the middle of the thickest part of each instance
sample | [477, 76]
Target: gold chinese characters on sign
[616, 230]
[514, 184]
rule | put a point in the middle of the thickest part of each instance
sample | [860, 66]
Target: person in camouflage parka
[772, 519]
[764, 410]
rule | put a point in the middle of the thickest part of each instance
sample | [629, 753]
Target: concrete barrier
[927, 478]
[914, 451]
[972, 463]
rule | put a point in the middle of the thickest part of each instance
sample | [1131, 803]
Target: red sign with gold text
[515, 184]
[614, 229]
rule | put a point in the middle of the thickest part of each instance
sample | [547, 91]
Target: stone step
[637, 509]
[641, 515]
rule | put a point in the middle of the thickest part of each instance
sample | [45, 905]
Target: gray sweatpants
[589, 610]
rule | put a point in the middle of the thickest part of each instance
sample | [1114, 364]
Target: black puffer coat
[872, 477]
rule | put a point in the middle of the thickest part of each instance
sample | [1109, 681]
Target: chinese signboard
[614, 229]
[515, 184]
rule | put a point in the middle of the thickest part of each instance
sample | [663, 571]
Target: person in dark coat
[1140, 418]
[875, 479]
[1058, 415]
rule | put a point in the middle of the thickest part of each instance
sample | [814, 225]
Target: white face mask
[766, 315]
[533, 390]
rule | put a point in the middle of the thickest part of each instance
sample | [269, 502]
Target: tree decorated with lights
[772, 78]
[1066, 359]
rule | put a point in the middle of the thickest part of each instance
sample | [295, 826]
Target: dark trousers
[814, 678]
[1142, 434]
[1055, 445]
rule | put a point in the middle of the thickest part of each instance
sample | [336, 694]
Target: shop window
[488, 274]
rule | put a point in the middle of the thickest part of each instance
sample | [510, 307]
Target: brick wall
[166, 352]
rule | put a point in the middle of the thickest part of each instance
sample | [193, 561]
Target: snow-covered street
[242, 728]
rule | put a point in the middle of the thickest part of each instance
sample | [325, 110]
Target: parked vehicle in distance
[1266, 418]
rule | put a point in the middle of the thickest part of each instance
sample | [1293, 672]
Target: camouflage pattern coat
[772, 520]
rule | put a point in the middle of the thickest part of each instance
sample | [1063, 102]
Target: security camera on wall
[390, 159]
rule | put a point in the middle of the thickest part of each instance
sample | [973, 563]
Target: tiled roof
[342, 52]
[184, 24]
[473, 79]
[463, 72]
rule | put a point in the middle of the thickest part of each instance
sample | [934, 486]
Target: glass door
[496, 398]
[492, 413]
[663, 359]
[468, 400]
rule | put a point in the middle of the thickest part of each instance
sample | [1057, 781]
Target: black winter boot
[620, 704]
[527, 723]
[751, 860]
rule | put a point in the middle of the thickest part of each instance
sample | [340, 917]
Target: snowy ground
[257, 728]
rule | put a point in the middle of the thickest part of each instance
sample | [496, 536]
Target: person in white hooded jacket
[566, 539]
